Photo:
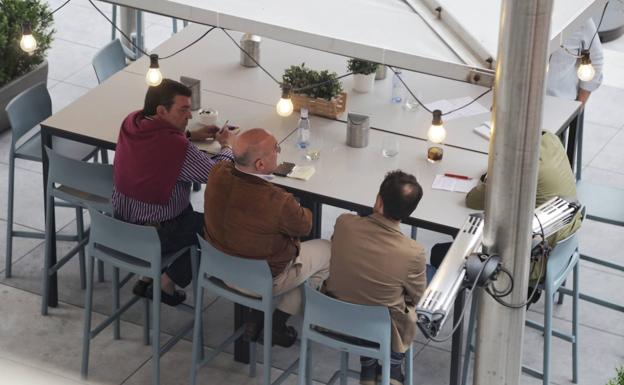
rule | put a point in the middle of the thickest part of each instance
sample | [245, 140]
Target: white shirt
[562, 80]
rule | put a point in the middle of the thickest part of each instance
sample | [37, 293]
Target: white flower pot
[363, 83]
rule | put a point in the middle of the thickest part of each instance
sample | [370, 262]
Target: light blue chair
[342, 319]
[251, 275]
[135, 249]
[109, 60]
[563, 260]
[79, 184]
[25, 112]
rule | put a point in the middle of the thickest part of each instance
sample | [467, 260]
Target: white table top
[215, 61]
[354, 174]
[99, 113]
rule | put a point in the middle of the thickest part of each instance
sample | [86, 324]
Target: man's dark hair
[163, 95]
[400, 194]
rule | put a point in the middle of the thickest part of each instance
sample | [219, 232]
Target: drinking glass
[390, 146]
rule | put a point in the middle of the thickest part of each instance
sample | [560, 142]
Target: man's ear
[160, 110]
[259, 164]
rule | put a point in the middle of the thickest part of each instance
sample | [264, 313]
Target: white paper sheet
[446, 105]
[447, 183]
[484, 130]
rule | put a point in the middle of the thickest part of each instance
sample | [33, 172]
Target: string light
[436, 135]
[585, 71]
[28, 43]
[153, 76]
[285, 105]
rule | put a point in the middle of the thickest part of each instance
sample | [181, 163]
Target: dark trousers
[438, 252]
[176, 234]
[396, 359]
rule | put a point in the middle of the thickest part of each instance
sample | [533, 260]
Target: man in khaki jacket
[373, 263]
[247, 216]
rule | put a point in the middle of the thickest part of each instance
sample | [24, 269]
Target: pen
[448, 174]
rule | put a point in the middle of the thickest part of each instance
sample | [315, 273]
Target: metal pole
[512, 181]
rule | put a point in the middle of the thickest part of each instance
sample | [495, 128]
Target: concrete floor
[47, 350]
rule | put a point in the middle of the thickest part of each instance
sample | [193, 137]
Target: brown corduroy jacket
[251, 218]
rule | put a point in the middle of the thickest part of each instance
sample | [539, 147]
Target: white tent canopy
[453, 39]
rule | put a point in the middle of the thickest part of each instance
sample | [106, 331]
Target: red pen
[448, 174]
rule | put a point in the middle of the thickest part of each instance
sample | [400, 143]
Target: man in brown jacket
[373, 263]
[249, 217]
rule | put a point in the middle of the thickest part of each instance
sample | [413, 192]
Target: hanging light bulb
[28, 43]
[285, 106]
[153, 76]
[436, 135]
[585, 70]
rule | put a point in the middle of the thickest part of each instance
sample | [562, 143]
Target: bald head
[253, 147]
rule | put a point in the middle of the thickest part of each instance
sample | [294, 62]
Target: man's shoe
[396, 377]
[174, 299]
[285, 336]
[369, 374]
[140, 287]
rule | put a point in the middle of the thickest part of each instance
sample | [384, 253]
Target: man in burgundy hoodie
[155, 167]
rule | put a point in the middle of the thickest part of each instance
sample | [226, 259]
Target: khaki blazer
[373, 263]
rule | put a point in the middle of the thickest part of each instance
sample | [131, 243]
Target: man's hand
[583, 95]
[226, 137]
[204, 132]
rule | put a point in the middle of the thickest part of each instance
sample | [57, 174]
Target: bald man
[249, 217]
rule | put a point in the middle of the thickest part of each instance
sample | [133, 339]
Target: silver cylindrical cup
[358, 126]
[250, 44]
[380, 74]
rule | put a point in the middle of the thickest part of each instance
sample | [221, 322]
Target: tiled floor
[47, 350]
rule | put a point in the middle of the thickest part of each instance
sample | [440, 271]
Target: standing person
[373, 263]
[155, 166]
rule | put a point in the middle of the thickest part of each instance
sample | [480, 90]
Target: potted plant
[619, 378]
[18, 69]
[364, 74]
[325, 99]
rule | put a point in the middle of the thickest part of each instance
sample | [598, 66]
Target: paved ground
[38, 350]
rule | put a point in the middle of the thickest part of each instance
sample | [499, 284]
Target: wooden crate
[321, 107]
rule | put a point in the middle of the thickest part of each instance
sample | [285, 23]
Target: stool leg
[469, 345]
[547, 331]
[253, 358]
[385, 371]
[303, 361]
[146, 321]
[344, 367]
[575, 300]
[81, 253]
[47, 253]
[86, 337]
[268, 339]
[156, 332]
[409, 363]
[197, 331]
[116, 332]
[9, 237]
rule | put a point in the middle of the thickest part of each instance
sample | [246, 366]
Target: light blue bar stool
[563, 260]
[109, 60]
[135, 249]
[343, 319]
[251, 275]
[25, 111]
[79, 184]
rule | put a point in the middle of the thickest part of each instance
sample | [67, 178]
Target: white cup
[208, 116]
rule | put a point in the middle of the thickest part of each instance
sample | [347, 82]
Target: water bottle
[397, 88]
[303, 130]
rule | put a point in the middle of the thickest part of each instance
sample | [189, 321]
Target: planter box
[321, 107]
[10, 90]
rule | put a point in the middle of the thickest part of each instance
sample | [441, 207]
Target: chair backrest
[94, 181]
[562, 259]
[28, 109]
[370, 323]
[123, 244]
[109, 60]
[249, 274]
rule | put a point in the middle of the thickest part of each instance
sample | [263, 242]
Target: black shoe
[369, 374]
[140, 287]
[284, 336]
[396, 377]
[174, 299]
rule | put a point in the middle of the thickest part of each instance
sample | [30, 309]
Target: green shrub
[13, 13]
[363, 67]
[619, 378]
[302, 76]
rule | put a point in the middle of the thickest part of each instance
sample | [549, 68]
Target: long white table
[215, 62]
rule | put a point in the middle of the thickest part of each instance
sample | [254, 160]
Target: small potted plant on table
[363, 74]
[320, 92]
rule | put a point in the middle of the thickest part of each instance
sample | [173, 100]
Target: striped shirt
[196, 167]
